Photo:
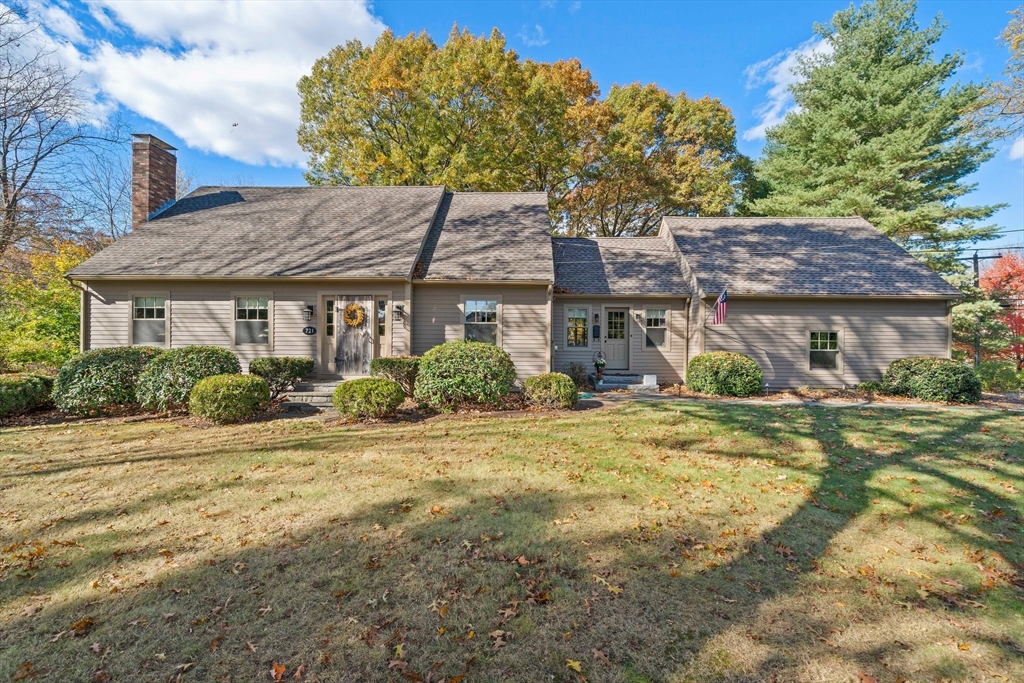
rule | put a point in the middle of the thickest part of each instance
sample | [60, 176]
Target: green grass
[650, 542]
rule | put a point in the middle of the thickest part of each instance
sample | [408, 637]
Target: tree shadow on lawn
[505, 584]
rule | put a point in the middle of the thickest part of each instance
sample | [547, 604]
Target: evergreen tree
[880, 131]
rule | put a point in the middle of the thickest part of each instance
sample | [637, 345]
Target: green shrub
[168, 379]
[932, 379]
[229, 398]
[577, 372]
[97, 380]
[551, 390]
[368, 397]
[949, 381]
[724, 374]
[282, 372]
[402, 369]
[464, 372]
[23, 393]
[899, 376]
[871, 387]
[999, 376]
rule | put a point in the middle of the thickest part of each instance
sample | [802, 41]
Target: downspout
[551, 342]
[408, 317]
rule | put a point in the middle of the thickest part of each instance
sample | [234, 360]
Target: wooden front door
[616, 338]
[353, 346]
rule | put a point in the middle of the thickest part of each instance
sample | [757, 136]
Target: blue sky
[216, 79]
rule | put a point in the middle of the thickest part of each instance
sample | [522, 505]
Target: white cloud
[199, 68]
[1017, 149]
[534, 37]
[778, 72]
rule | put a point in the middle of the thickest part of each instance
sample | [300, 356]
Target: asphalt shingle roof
[801, 256]
[617, 265]
[276, 232]
[489, 236]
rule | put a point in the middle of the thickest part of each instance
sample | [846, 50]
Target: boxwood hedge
[281, 372]
[228, 398]
[23, 393]
[374, 397]
[168, 379]
[402, 369]
[551, 390]
[97, 380]
[464, 372]
[722, 373]
[932, 379]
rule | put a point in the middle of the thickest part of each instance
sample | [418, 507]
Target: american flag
[720, 308]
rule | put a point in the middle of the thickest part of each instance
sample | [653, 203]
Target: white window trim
[589, 324]
[479, 297]
[167, 317]
[840, 360]
[269, 346]
[383, 342]
[668, 328]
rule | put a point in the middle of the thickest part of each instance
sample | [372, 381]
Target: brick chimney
[154, 168]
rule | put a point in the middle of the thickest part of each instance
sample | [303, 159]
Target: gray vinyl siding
[203, 313]
[669, 364]
[437, 318]
[874, 333]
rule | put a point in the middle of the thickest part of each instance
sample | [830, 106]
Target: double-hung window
[577, 327]
[824, 350]
[481, 320]
[252, 320]
[656, 327]
[149, 320]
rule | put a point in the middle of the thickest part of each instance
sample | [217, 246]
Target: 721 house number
[308, 330]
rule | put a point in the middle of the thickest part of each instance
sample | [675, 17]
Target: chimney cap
[152, 140]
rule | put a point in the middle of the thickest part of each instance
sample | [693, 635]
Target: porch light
[398, 312]
[597, 318]
[639, 315]
[307, 314]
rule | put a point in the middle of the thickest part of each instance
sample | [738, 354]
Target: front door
[616, 339]
[354, 320]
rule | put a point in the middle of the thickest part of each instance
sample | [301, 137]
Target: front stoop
[314, 394]
[634, 383]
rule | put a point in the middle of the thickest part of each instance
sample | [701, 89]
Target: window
[657, 327]
[824, 351]
[330, 318]
[382, 318]
[149, 320]
[252, 320]
[577, 327]
[482, 320]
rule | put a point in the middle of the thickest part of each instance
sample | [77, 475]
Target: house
[346, 274]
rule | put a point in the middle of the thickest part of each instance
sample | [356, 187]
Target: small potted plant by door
[599, 364]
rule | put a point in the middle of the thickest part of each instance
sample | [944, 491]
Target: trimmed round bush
[23, 393]
[166, 382]
[899, 376]
[229, 398]
[282, 372]
[551, 390]
[374, 397]
[722, 373]
[464, 372]
[932, 379]
[870, 387]
[97, 380]
[402, 369]
[999, 376]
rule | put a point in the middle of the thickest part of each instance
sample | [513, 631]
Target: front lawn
[650, 542]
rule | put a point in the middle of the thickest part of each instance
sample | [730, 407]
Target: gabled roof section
[617, 265]
[235, 232]
[489, 236]
[801, 256]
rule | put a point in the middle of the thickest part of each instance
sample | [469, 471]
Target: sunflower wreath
[354, 315]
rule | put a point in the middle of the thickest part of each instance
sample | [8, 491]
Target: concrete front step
[313, 394]
[633, 383]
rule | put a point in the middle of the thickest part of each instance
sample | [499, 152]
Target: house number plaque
[308, 330]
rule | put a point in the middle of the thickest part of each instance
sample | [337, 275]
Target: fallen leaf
[601, 657]
[250, 646]
[574, 665]
[298, 672]
[24, 671]
[865, 678]
[964, 646]
[277, 671]
[82, 626]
